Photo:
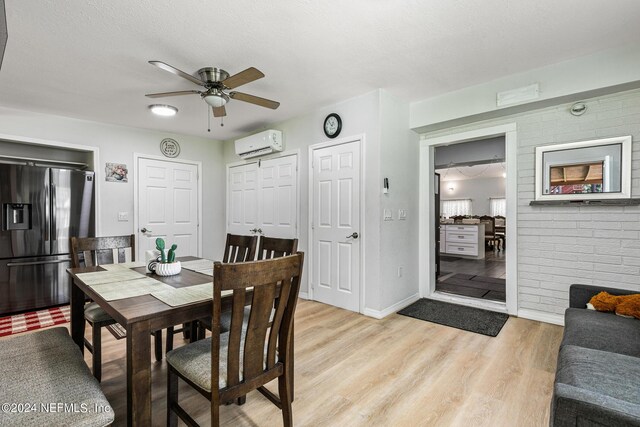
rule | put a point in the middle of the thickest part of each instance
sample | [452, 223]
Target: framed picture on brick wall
[584, 170]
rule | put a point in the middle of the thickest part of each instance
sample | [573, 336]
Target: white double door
[167, 206]
[336, 238]
[262, 198]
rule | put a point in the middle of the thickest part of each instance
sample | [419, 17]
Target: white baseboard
[555, 319]
[379, 314]
[303, 295]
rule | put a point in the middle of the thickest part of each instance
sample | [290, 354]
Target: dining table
[140, 315]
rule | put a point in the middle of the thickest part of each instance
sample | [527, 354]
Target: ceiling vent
[518, 96]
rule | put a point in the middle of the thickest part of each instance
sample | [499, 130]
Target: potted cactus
[167, 264]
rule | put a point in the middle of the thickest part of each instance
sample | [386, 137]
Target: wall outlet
[400, 271]
[402, 214]
[123, 216]
[387, 215]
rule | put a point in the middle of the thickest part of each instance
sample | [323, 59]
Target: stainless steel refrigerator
[41, 208]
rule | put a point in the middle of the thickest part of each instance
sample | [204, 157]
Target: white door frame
[363, 234]
[427, 217]
[244, 162]
[136, 178]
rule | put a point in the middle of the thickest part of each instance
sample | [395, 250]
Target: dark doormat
[457, 316]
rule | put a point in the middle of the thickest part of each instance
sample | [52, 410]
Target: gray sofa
[598, 375]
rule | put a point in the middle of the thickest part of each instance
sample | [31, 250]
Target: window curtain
[455, 207]
[498, 207]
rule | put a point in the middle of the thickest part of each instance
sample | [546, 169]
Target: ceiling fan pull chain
[221, 121]
[209, 120]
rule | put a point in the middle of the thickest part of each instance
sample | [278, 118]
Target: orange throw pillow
[629, 306]
[604, 301]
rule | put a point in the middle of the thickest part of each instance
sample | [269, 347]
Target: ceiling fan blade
[252, 99]
[219, 111]
[177, 93]
[174, 70]
[243, 77]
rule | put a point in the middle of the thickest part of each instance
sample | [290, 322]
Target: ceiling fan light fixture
[163, 110]
[216, 100]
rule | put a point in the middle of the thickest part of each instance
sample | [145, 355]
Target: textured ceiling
[88, 58]
[461, 173]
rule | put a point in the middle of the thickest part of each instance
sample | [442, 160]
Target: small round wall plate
[170, 147]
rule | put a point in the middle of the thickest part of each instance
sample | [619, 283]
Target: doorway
[335, 223]
[473, 254]
[471, 209]
[168, 204]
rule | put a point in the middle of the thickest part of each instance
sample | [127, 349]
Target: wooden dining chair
[227, 366]
[237, 248]
[94, 251]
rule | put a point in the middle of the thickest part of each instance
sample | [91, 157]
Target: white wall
[479, 190]
[117, 144]
[558, 246]
[566, 81]
[399, 162]
[383, 122]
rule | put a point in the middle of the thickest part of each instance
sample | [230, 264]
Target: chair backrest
[275, 283]
[273, 247]
[239, 248]
[91, 251]
[489, 225]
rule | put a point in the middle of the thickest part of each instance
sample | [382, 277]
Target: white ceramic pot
[168, 269]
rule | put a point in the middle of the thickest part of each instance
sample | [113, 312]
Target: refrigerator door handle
[54, 234]
[54, 261]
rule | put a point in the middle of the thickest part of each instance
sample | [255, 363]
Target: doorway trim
[427, 217]
[363, 233]
[197, 163]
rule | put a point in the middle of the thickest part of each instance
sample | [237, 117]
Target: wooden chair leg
[97, 351]
[285, 400]
[172, 397]
[158, 344]
[186, 330]
[202, 332]
[170, 339]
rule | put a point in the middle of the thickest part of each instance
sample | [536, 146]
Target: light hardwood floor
[352, 370]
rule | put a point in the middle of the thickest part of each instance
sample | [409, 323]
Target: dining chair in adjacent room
[229, 365]
[95, 251]
[489, 231]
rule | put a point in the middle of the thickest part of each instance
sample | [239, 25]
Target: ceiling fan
[217, 83]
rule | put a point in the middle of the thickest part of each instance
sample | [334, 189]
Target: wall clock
[170, 147]
[332, 125]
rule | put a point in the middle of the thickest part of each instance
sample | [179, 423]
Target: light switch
[402, 214]
[123, 216]
[388, 215]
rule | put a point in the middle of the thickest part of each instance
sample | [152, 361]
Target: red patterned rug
[11, 325]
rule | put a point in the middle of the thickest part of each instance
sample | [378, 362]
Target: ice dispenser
[16, 216]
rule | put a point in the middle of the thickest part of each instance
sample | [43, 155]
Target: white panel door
[242, 206]
[277, 198]
[335, 225]
[262, 198]
[167, 206]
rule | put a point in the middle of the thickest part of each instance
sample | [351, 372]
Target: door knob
[256, 230]
[354, 235]
[144, 230]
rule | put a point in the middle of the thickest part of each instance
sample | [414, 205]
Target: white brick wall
[558, 246]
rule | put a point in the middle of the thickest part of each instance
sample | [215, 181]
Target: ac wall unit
[260, 144]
